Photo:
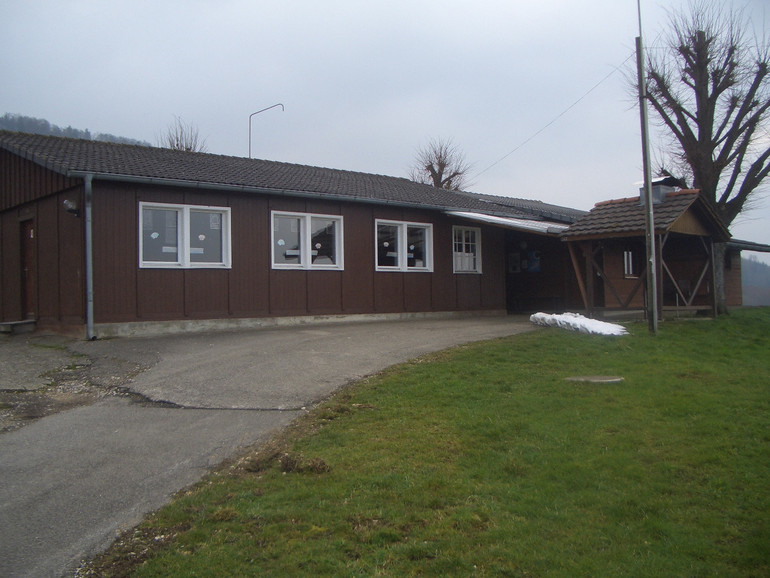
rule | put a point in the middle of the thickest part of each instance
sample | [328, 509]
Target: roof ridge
[616, 201]
[683, 192]
[129, 161]
[170, 151]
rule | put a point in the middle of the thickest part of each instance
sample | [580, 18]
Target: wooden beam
[714, 302]
[607, 281]
[639, 283]
[588, 250]
[703, 272]
[578, 274]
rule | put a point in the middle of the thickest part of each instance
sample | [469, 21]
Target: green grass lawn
[484, 461]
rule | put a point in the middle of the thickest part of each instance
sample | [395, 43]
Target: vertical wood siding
[10, 271]
[22, 181]
[358, 276]
[30, 192]
[251, 288]
[123, 292]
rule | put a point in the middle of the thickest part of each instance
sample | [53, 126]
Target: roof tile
[68, 156]
[627, 216]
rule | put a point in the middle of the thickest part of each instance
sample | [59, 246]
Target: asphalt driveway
[73, 481]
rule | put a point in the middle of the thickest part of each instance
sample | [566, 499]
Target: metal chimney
[659, 192]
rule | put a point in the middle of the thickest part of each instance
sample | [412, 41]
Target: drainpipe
[90, 335]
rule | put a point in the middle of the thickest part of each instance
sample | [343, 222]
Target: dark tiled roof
[119, 161]
[626, 217]
[531, 207]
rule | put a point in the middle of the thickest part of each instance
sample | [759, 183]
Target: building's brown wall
[58, 275]
[733, 280]
[10, 269]
[613, 269]
[251, 288]
[31, 192]
[444, 286]
[493, 254]
[685, 257]
[249, 277]
[358, 280]
[115, 234]
[551, 289]
[22, 181]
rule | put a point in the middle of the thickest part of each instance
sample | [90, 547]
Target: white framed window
[306, 241]
[466, 249]
[184, 236]
[629, 265]
[402, 246]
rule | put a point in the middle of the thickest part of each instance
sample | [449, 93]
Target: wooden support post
[588, 250]
[578, 274]
[714, 297]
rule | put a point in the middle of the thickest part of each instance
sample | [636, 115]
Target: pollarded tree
[441, 164]
[709, 87]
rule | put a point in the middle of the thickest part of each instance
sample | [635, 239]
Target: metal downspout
[90, 335]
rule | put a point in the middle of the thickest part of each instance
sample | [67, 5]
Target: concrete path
[73, 481]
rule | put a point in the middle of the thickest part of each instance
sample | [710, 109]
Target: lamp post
[253, 113]
[649, 219]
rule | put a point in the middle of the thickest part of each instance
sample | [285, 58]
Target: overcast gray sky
[364, 84]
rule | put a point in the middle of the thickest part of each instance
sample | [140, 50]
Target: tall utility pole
[652, 281]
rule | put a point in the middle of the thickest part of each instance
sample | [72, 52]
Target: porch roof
[626, 217]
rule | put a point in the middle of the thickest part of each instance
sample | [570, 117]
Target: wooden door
[28, 270]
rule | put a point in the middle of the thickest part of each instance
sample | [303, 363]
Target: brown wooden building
[101, 239]
[608, 252]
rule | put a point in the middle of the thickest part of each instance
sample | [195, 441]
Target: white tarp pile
[576, 322]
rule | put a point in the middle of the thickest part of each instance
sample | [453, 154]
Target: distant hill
[28, 124]
[755, 276]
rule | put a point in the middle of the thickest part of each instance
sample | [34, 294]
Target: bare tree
[709, 86]
[442, 164]
[182, 136]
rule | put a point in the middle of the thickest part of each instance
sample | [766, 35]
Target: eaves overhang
[748, 246]
[526, 225]
[227, 187]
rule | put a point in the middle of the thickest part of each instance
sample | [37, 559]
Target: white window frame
[403, 257]
[629, 265]
[183, 237]
[459, 258]
[306, 251]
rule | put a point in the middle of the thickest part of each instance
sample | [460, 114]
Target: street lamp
[649, 218]
[253, 113]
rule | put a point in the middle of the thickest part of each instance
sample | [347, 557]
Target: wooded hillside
[756, 282]
[32, 125]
